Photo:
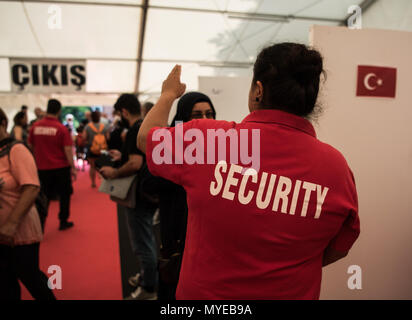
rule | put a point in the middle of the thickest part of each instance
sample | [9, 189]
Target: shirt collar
[51, 118]
[282, 118]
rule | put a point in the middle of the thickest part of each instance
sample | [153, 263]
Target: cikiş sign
[48, 76]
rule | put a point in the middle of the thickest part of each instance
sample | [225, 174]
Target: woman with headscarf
[172, 202]
[173, 206]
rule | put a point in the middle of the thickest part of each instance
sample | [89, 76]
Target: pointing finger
[173, 72]
[178, 70]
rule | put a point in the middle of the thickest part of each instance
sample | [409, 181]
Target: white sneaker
[141, 294]
[134, 280]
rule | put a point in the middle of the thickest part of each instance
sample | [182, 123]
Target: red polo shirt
[259, 236]
[49, 137]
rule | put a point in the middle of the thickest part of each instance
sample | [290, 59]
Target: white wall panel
[374, 134]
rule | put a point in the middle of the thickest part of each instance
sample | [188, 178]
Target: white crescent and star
[367, 79]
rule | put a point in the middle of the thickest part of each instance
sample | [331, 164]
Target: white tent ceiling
[130, 45]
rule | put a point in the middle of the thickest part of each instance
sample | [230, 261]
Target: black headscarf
[186, 104]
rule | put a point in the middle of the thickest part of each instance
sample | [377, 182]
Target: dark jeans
[22, 263]
[57, 183]
[173, 219]
[140, 225]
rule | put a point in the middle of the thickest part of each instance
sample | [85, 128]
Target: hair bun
[309, 66]
[307, 73]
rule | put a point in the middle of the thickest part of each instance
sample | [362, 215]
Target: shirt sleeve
[167, 148]
[350, 229]
[162, 152]
[131, 146]
[23, 166]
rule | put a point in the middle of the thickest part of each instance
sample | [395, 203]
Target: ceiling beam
[250, 16]
[203, 63]
[140, 45]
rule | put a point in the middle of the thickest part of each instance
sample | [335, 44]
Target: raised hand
[172, 85]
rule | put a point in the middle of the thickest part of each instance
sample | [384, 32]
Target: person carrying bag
[20, 228]
[41, 202]
[139, 216]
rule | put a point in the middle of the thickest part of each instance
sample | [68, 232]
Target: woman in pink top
[20, 229]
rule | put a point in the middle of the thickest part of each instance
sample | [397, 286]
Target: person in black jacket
[139, 218]
[117, 134]
[173, 205]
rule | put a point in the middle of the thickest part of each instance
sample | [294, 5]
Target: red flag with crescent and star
[376, 82]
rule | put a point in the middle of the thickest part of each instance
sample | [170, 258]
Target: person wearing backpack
[96, 134]
[20, 227]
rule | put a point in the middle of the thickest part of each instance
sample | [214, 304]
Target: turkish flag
[376, 82]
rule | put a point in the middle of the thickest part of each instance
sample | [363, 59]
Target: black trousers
[22, 263]
[57, 184]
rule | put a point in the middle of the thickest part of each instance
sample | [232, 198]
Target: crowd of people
[212, 246]
[49, 141]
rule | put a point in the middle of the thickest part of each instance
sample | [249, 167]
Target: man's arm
[157, 117]
[331, 256]
[68, 151]
[129, 168]
[27, 197]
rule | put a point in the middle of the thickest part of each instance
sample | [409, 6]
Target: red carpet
[88, 253]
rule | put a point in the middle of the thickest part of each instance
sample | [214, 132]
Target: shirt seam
[283, 124]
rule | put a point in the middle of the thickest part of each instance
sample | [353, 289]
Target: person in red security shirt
[263, 228]
[52, 145]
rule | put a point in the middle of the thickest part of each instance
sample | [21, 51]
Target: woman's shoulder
[332, 155]
[212, 124]
[19, 148]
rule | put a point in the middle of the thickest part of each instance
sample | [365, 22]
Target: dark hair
[129, 102]
[95, 116]
[23, 107]
[18, 118]
[3, 118]
[53, 106]
[186, 104]
[80, 128]
[290, 75]
[147, 106]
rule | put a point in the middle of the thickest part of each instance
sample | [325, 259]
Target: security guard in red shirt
[52, 145]
[260, 226]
